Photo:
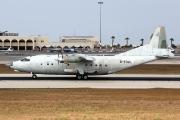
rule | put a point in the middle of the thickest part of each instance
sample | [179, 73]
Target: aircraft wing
[84, 57]
[75, 58]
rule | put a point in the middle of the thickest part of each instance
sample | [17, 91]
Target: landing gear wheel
[85, 77]
[79, 77]
[34, 76]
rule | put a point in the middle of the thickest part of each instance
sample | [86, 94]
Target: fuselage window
[100, 65]
[85, 64]
[51, 63]
[105, 65]
[41, 63]
[90, 64]
[95, 64]
[47, 63]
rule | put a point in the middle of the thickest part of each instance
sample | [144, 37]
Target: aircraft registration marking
[125, 61]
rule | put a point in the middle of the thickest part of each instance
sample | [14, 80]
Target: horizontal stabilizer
[163, 53]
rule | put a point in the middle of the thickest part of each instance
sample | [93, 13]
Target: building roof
[77, 36]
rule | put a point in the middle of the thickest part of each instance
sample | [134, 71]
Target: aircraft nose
[9, 64]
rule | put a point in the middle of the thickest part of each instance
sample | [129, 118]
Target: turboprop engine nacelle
[72, 59]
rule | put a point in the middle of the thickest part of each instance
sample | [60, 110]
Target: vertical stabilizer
[157, 46]
[158, 38]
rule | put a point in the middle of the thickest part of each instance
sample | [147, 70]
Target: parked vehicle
[55, 50]
[70, 50]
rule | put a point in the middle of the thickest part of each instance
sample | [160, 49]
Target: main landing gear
[79, 77]
[34, 76]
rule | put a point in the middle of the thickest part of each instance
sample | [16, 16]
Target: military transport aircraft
[83, 65]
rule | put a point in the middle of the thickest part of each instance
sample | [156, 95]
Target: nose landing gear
[34, 76]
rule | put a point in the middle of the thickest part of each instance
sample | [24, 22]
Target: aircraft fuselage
[47, 64]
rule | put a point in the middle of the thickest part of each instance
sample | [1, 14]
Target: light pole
[100, 22]
[112, 40]
[127, 41]
[171, 41]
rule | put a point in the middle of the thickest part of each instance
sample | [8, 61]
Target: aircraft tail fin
[158, 38]
[157, 46]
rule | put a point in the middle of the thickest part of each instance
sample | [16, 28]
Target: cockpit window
[25, 60]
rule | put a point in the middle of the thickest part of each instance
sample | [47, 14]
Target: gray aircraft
[83, 65]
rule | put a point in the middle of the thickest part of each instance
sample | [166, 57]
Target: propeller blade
[58, 54]
[58, 58]
[62, 54]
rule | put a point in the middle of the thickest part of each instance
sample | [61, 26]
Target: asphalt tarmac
[103, 81]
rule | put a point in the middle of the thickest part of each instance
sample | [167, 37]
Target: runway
[104, 81]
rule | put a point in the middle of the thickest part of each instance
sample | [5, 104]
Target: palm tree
[171, 41]
[127, 41]
[112, 40]
[142, 40]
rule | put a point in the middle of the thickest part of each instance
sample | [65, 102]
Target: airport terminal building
[42, 42]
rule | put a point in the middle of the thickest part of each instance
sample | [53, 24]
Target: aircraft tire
[34, 76]
[79, 77]
[85, 77]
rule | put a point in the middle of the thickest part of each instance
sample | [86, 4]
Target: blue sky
[135, 19]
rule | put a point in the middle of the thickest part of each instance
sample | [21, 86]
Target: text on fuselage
[125, 61]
